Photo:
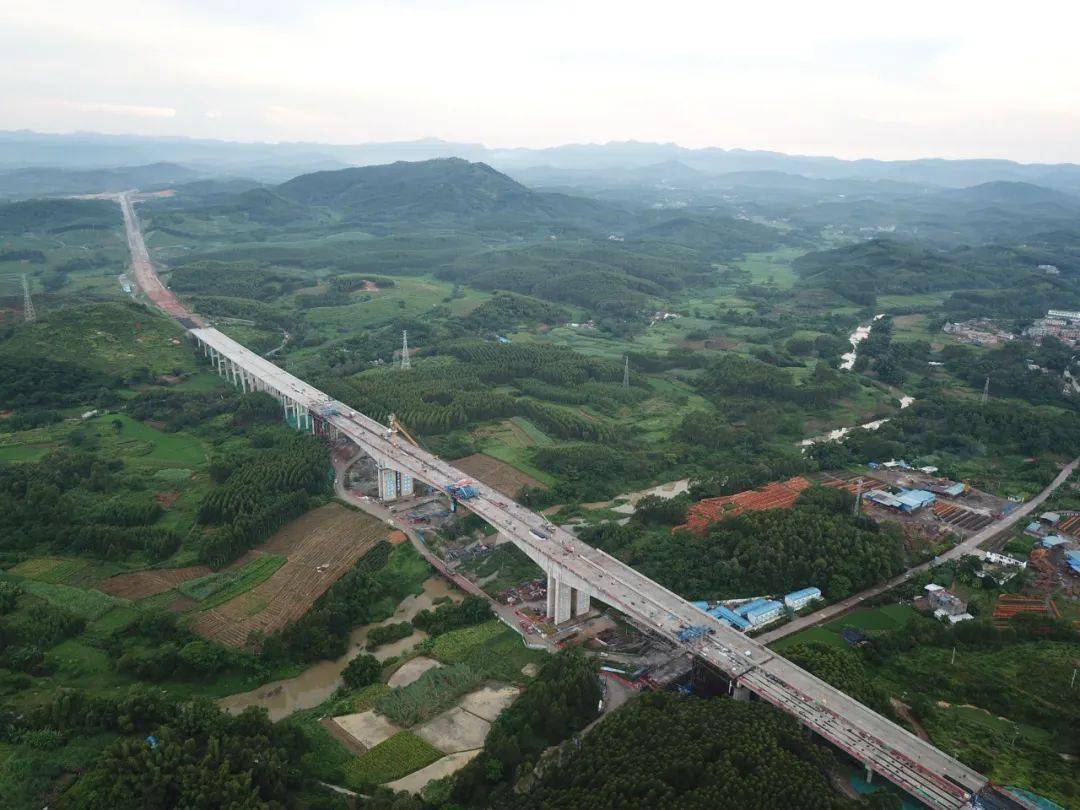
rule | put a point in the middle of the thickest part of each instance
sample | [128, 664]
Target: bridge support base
[738, 692]
[565, 602]
[869, 774]
[394, 484]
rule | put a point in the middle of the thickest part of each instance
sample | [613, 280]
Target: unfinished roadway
[928, 774]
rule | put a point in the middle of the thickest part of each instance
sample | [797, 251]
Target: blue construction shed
[746, 607]
[912, 500]
[729, 617]
[765, 613]
[1073, 560]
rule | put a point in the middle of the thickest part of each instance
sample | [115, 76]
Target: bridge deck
[919, 767]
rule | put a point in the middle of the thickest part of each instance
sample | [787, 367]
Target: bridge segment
[579, 573]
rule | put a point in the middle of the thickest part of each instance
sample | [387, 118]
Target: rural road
[966, 547]
[397, 520]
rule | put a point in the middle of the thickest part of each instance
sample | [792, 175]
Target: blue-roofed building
[1034, 528]
[746, 607]
[912, 500]
[1053, 541]
[729, 616]
[701, 605]
[770, 611]
[1072, 559]
[800, 599]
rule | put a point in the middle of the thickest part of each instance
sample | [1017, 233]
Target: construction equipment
[463, 490]
[396, 427]
[693, 631]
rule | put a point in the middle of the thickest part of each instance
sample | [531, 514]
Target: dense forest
[770, 551]
[663, 750]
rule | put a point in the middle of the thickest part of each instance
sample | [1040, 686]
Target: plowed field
[319, 548]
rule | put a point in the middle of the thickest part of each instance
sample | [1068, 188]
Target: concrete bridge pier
[565, 602]
[394, 484]
[738, 692]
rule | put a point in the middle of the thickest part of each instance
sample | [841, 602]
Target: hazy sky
[861, 79]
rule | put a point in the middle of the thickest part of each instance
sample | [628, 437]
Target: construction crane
[396, 427]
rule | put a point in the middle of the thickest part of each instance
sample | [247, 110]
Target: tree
[362, 671]
[201, 657]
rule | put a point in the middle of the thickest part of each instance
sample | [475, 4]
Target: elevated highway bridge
[578, 573]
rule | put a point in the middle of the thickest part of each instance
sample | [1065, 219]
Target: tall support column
[563, 602]
[582, 603]
[387, 483]
[551, 584]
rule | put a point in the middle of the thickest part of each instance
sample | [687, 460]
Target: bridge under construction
[578, 573]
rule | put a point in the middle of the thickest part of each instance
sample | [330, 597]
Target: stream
[316, 683]
[861, 333]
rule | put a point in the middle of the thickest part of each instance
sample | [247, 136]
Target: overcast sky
[861, 79]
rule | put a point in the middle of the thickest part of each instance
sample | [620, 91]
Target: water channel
[315, 684]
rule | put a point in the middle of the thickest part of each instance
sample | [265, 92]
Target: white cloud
[855, 79]
[129, 110]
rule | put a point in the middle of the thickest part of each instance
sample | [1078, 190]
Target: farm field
[869, 620]
[318, 548]
[496, 474]
[391, 759]
[142, 584]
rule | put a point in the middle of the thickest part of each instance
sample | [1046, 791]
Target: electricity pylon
[406, 363]
[28, 303]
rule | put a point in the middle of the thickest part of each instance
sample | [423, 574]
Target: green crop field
[869, 620]
[455, 646]
[217, 589]
[85, 604]
[392, 759]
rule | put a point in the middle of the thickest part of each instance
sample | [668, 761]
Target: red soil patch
[166, 499]
[396, 537]
[777, 495]
[1008, 605]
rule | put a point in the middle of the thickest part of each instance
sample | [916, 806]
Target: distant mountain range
[45, 180]
[571, 164]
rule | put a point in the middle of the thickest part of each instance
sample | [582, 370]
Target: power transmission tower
[406, 363]
[986, 391]
[626, 372]
[28, 303]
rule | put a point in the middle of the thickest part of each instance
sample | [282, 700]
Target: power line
[406, 363]
[626, 372]
[28, 303]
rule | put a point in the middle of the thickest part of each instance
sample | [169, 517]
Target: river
[316, 683]
[861, 333]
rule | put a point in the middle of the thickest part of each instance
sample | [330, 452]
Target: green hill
[431, 189]
[114, 338]
[864, 270]
[57, 216]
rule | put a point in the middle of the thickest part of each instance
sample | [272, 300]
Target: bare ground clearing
[496, 474]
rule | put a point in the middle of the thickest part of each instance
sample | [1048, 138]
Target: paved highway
[969, 546]
[927, 773]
